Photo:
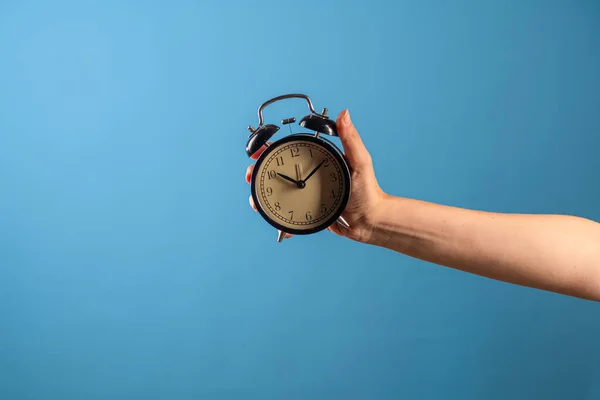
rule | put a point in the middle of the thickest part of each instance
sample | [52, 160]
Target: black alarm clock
[300, 183]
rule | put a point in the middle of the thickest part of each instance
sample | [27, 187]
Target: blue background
[131, 265]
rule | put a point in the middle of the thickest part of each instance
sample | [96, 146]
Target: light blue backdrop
[132, 267]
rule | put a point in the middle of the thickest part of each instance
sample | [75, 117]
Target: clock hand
[314, 170]
[287, 178]
[298, 175]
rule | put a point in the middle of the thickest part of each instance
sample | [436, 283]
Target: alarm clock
[300, 183]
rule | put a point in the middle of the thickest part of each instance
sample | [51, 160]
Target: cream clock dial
[301, 184]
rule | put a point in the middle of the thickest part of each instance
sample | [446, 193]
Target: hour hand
[287, 178]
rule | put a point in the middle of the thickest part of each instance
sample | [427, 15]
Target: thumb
[355, 150]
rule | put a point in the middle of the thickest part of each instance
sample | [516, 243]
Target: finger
[252, 203]
[335, 229]
[354, 148]
[260, 151]
[249, 172]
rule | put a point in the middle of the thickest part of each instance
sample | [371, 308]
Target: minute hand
[314, 170]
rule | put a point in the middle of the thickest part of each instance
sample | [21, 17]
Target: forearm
[551, 252]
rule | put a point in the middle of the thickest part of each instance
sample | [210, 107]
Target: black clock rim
[336, 153]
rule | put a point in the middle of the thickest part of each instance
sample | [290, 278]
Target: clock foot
[343, 222]
[280, 236]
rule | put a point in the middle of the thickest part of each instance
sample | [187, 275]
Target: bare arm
[556, 253]
[551, 252]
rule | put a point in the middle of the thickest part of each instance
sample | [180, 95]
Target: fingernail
[346, 119]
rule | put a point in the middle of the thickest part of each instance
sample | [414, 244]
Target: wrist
[376, 220]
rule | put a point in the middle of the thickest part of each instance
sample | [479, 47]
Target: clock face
[300, 184]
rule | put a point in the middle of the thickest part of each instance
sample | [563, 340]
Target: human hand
[365, 196]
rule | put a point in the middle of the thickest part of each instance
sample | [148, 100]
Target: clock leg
[343, 222]
[280, 236]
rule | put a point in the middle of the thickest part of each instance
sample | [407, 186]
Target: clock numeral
[308, 216]
[310, 151]
[277, 206]
[272, 174]
[295, 152]
[291, 215]
[269, 191]
[326, 163]
[323, 208]
[332, 193]
[333, 177]
[279, 161]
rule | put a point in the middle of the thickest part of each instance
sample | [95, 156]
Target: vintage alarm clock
[300, 183]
